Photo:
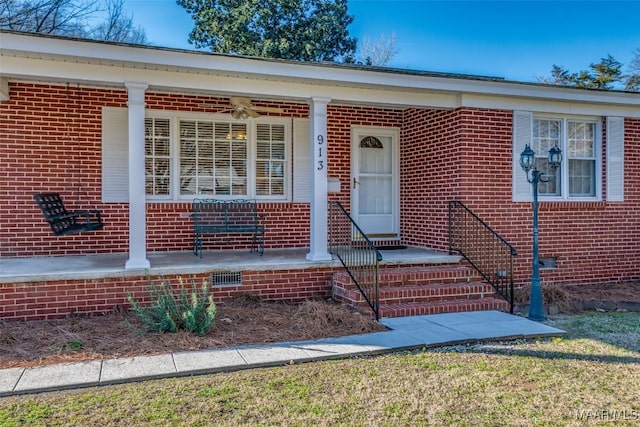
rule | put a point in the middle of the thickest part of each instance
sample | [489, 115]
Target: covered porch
[140, 146]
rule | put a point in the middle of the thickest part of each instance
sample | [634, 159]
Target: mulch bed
[244, 320]
[587, 297]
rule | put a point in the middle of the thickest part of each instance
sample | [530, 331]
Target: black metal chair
[63, 222]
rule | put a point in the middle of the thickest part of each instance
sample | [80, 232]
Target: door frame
[394, 133]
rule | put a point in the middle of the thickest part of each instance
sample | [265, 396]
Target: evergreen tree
[606, 74]
[601, 75]
[560, 76]
[304, 30]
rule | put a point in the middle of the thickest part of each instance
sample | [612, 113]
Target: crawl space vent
[548, 263]
[226, 278]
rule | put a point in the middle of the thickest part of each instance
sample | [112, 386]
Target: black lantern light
[555, 157]
[527, 158]
[527, 162]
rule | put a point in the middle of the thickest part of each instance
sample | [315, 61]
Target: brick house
[139, 131]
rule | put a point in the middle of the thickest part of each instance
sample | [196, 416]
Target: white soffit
[220, 84]
[61, 59]
[601, 108]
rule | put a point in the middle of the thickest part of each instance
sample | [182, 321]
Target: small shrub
[170, 309]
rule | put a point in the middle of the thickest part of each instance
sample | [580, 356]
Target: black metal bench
[64, 222]
[237, 216]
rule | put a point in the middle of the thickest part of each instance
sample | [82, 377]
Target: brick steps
[415, 291]
[402, 276]
[438, 307]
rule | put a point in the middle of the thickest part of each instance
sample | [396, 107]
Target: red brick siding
[593, 241]
[430, 175]
[57, 299]
[50, 140]
[466, 154]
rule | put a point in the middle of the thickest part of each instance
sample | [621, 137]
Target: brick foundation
[62, 298]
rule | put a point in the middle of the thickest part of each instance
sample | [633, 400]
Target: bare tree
[46, 16]
[70, 18]
[118, 27]
[379, 52]
[632, 82]
[634, 65]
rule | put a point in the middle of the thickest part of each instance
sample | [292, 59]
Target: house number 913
[319, 144]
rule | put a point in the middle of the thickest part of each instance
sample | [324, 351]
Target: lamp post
[527, 162]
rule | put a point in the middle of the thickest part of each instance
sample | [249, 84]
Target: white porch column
[137, 205]
[319, 217]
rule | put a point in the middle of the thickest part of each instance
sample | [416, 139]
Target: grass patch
[75, 345]
[619, 329]
[591, 376]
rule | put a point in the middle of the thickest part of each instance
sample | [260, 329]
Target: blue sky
[518, 40]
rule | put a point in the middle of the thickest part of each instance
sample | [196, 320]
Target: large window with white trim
[578, 177]
[213, 158]
[188, 157]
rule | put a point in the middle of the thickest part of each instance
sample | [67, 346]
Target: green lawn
[591, 377]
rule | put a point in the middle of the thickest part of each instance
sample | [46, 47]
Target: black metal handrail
[488, 252]
[357, 254]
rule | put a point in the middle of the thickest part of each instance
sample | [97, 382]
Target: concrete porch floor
[30, 269]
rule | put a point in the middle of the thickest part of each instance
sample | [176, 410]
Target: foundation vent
[549, 263]
[226, 278]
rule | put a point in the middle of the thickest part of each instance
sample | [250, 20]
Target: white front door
[375, 189]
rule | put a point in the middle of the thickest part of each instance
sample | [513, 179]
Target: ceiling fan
[243, 109]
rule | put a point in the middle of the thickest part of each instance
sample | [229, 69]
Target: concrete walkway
[405, 333]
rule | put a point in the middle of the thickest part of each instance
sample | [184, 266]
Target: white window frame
[564, 173]
[176, 116]
[171, 150]
[253, 147]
